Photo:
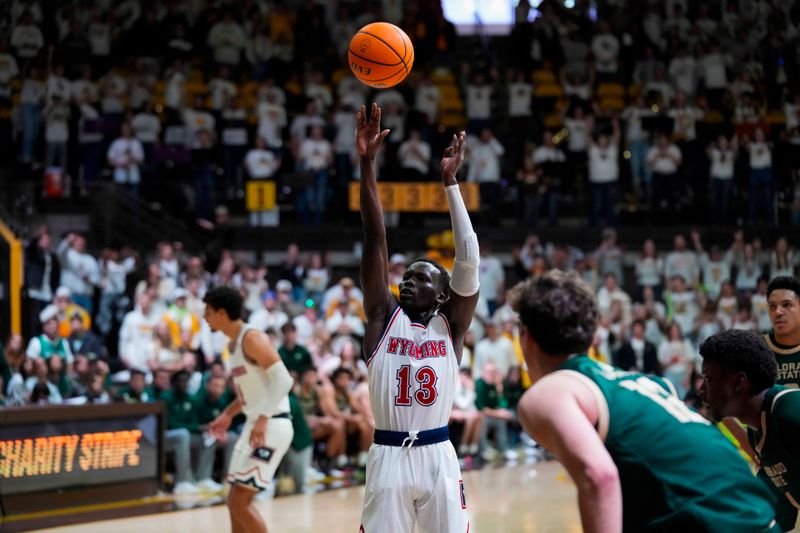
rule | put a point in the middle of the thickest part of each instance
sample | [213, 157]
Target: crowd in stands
[122, 327]
[620, 103]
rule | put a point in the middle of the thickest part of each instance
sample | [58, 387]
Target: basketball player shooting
[413, 349]
[262, 386]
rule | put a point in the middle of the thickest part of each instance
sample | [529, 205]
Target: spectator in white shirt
[261, 163]
[114, 268]
[579, 127]
[90, 139]
[483, 158]
[221, 88]
[27, 39]
[550, 163]
[344, 147]
[198, 119]
[478, 103]
[271, 119]
[427, 100]
[664, 160]
[316, 155]
[496, 348]
[605, 48]
[414, 156]
[659, 86]
[136, 347]
[100, 31]
[760, 191]
[9, 69]
[58, 85]
[683, 71]
[723, 159]
[317, 90]
[492, 278]
[84, 86]
[115, 90]
[79, 270]
[269, 316]
[125, 156]
[637, 140]
[649, 269]
[713, 66]
[31, 99]
[301, 126]
[56, 134]
[227, 39]
[604, 175]
[234, 144]
[681, 262]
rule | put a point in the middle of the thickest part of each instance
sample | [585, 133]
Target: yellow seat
[610, 90]
[449, 91]
[714, 117]
[548, 90]
[543, 76]
[194, 88]
[338, 75]
[633, 90]
[553, 120]
[442, 77]
[612, 104]
[775, 117]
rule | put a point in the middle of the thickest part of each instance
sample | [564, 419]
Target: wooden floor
[536, 498]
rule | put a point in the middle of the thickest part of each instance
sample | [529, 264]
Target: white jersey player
[413, 347]
[262, 384]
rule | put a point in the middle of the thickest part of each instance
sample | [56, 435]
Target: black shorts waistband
[411, 438]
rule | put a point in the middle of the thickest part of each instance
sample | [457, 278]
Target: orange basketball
[380, 55]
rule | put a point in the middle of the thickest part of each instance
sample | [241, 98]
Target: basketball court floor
[529, 498]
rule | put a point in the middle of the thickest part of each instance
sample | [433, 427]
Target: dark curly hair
[559, 311]
[742, 351]
[790, 283]
[226, 298]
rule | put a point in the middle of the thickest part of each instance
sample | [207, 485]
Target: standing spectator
[683, 308]
[637, 354]
[414, 157]
[783, 260]
[683, 71]
[723, 159]
[303, 124]
[636, 138]
[31, 99]
[483, 158]
[682, 262]
[79, 270]
[761, 188]
[56, 133]
[317, 277]
[716, 270]
[748, 272]
[319, 92]
[58, 85]
[427, 100]
[271, 115]
[713, 65]
[478, 104]
[269, 317]
[492, 278]
[27, 39]
[605, 49]
[42, 275]
[198, 119]
[125, 155]
[84, 342]
[203, 171]
[227, 40]
[604, 175]
[579, 127]
[550, 161]
[496, 349]
[393, 118]
[649, 269]
[611, 293]
[677, 358]
[664, 160]
[261, 163]
[315, 156]
[234, 145]
[221, 88]
[114, 269]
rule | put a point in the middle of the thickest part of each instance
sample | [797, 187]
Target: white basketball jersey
[413, 374]
[250, 380]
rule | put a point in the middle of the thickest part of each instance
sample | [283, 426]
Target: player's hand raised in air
[369, 136]
[453, 158]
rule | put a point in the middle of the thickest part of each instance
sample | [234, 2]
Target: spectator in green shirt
[294, 356]
[183, 430]
[490, 401]
[298, 458]
[209, 402]
[137, 390]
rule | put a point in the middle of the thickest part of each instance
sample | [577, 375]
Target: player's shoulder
[785, 401]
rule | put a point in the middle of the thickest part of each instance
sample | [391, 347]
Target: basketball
[380, 55]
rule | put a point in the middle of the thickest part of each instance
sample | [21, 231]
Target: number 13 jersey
[413, 374]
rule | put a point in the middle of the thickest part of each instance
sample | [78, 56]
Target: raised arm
[464, 281]
[378, 301]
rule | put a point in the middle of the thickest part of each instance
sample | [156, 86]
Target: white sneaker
[209, 485]
[313, 474]
[511, 455]
[185, 487]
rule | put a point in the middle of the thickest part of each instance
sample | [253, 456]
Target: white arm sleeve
[278, 383]
[464, 280]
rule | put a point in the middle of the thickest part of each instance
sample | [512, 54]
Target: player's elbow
[599, 479]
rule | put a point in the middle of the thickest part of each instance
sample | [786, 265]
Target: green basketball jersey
[788, 362]
[677, 471]
[777, 444]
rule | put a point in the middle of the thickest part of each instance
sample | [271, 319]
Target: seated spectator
[414, 156]
[494, 408]
[344, 322]
[11, 357]
[210, 401]
[284, 299]
[710, 323]
[684, 306]
[96, 393]
[744, 319]
[677, 358]
[83, 341]
[317, 278]
[136, 346]
[294, 355]
[323, 427]
[727, 304]
[465, 412]
[346, 354]
[337, 401]
[609, 293]
[39, 387]
[637, 354]
[496, 348]
[269, 316]
[80, 272]
[184, 326]
[66, 309]
[183, 429]
[307, 322]
[297, 462]
[50, 342]
[166, 354]
[344, 290]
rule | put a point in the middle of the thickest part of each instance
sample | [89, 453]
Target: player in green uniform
[783, 299]
[641, 459]
[739, 380]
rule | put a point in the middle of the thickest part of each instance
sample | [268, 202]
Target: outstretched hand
[453, 158]
[369, 136]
